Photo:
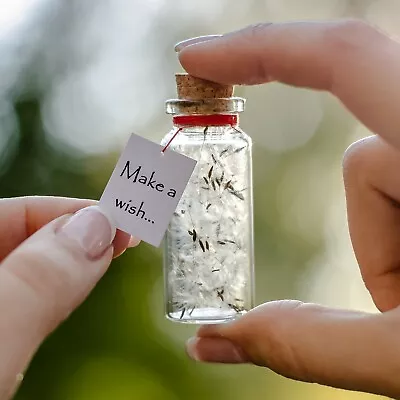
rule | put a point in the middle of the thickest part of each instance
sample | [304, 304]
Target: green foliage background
[118, 345]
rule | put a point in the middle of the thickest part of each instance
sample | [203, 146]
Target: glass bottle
[208, 259]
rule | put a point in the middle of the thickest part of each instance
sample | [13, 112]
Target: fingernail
[215, 350]
[91, 229]
[133, 242]
[188, 42]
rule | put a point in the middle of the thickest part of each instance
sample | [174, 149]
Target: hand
[361, 66]
[50, 260]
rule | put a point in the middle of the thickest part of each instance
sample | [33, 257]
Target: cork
[192, 88]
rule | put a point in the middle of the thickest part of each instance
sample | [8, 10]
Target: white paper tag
[145, 188]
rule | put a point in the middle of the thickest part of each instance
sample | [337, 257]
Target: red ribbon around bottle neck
[206, 120]
[201, 120]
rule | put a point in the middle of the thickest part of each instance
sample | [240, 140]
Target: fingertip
[215, 350]
[226, 60]
[202, 60]
[191, 348]
[90, 230]
[133, 242]
[192, 41]
[120, 243]
[109, 218]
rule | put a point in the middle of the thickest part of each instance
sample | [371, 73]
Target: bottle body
[208, 260]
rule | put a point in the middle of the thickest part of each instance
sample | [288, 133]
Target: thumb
[45, 278]
[344, 349]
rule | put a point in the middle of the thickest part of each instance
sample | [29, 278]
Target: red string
[170, 140]
[201, 120]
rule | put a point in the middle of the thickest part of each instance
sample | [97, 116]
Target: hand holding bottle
[361, 67]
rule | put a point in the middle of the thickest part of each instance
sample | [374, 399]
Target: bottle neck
[206, 120]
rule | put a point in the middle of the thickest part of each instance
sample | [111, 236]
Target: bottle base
[204, 316]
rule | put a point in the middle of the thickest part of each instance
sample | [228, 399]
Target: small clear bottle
[208, 259]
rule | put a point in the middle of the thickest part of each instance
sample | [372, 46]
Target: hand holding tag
[145, 188]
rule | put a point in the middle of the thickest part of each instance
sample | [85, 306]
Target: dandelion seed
[236, 193]
[236, 308]
[202, 246]
[182, 313]
[227, 184]
[223, 152]
[239, 150]
[210, 171]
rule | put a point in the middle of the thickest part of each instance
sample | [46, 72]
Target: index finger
[355, 62]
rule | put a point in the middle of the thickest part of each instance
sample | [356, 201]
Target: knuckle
[39, 271]
[255, 34]
[350, 35]
[51, 283]
[289, 359]
[277, 348]
[256, 31]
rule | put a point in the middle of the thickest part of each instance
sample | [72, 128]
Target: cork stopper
[198, 96]
[192, 88]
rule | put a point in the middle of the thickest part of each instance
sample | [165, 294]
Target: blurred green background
[77, 77]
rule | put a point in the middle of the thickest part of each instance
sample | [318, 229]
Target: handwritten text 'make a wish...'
[139, 176]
